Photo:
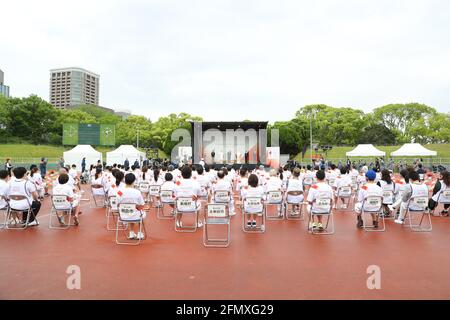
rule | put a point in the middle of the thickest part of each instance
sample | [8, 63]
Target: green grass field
[443, 151]
[37, 151]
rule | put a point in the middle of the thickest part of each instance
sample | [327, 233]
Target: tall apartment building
[73, 86]
[4, 89]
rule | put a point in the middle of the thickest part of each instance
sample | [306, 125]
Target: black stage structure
[258, 147]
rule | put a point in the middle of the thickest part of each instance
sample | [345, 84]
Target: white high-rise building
[4, 89]
[73, 86]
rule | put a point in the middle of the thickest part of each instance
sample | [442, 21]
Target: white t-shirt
[294, 184]
[369, 189]
[273, 184]
[66, 190]
[24, 188]
[252, 192]
[320, 190]
[73, 173]
[130, 195]
[37, 180]
[4, 186]
[205, 184]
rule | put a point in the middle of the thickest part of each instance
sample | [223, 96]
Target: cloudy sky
[234, 59]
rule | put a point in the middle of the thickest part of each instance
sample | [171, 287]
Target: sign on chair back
[217, 215]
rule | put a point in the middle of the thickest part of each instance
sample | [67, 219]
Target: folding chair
[15, 214]
[185, 206]
[290, 215]
[144, 187]
[321, 207]
[373, 205]
[307, 183]
[253, 206]
[129, 214]
[4, 211]
[388, 199]
[62, 205]
[420, 209]
[167, 200]
[344, 192]
[275, 198]
[217, 215]
[221, 196]
[153, 194]
[443, 198]
[100, 200]
[112, 212]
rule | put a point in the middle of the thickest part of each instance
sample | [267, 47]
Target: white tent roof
[413, 149]
[365, 150]
[76, 155]
[124, 152]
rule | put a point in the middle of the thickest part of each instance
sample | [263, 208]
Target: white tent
[122, 153]
[365, 150]
[76, 155]
[413, 150]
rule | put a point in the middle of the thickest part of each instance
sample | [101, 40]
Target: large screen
[89, 133]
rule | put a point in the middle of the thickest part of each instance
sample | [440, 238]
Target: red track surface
[284, 263]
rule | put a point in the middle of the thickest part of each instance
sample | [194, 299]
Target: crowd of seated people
[300, 185]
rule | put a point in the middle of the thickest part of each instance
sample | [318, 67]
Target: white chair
[112, 213]
[372, 205]
[99, 195]
[4, 211]
[14, 217]
[253, 206]
[292, 215]
[167, 200]
[388, 199]
[307, 183]
[153, 194]
[345, 193]
[144, 187]
[185, 206]
[418, 206]
[275, 199]
[62, 205]
[443, 198]
[129, 214]
[216, 215]
[322, 207]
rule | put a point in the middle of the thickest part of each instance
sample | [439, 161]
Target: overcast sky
[235, 59]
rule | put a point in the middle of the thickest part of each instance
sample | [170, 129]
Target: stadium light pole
[310, 136]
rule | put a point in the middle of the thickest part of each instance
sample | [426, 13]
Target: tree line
[391, 124]
[32, 119]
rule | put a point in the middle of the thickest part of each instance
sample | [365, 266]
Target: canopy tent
[413, 150]
[365, 150]
[76, 155]
[124, 152]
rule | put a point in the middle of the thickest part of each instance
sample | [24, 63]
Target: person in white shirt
[320, 190]
[188, 188]
[19, 185]
[36, 178]
[205, 183]
[254, 190]
[242, 181]
[202, 162]
[73, 199]
[417, 189]
[368, 189]
[343, 180]
[168, 185]
[131, 195]
[98, 180]
[146, 175]
[222, 184]
[73, 171]
[294, 192]
[439, 194]
[4, 179]
[388, 187]
[274, 183]
[118, 184]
